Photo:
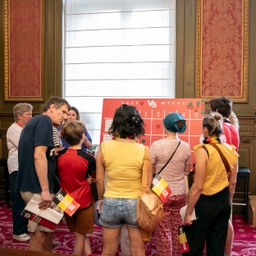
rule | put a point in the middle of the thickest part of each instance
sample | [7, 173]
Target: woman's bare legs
[125, 241]
[229, 240]
[110, 241]
[137, 246]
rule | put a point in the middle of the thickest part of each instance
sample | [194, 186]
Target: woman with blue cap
[166, 233]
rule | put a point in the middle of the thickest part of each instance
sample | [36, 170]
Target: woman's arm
[88, 136]
[187, 169]
[196, 189]
[232, 181]
[151, 171]
[100, 174]
[87, 140]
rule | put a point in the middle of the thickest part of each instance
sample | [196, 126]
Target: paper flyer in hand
[37, 219]
[53, 214]
[160, 187]
[183, 211]
[65, 202]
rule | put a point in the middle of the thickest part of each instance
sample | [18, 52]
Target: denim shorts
[116, 212]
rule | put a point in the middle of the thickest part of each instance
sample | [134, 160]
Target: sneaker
[23, 237]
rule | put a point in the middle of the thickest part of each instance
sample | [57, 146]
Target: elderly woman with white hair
[22, 113]
[166, 233]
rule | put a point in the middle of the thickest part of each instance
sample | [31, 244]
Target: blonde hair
[234, 120]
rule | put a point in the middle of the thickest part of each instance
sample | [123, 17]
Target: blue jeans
[116, 212]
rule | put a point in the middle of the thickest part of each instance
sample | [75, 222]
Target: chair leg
[246, 200]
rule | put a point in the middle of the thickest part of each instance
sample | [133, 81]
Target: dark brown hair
[58, 102]
[77, 112]
[222, 105]
[127, 122]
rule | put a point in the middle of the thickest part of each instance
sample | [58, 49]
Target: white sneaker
[23, 237]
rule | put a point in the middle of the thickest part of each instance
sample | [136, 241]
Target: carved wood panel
[246, 151]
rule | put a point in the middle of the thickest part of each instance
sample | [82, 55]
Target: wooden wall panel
[222, 49]
[5, 122]
[247, 147]
[51, 67]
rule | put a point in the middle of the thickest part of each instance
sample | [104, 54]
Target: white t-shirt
[12, 138]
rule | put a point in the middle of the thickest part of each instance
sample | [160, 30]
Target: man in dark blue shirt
[36, 172]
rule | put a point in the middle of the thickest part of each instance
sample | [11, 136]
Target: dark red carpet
[244, 243]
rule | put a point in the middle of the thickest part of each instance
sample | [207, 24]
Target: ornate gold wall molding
[222, 50]
[24, 50]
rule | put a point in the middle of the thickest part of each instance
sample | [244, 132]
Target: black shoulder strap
[170, 157]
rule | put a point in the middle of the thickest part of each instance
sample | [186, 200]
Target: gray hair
[58, 102]
[20, 109]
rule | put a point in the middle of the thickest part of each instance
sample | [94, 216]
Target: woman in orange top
[211, 192]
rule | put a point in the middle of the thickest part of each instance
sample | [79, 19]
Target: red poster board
[153, 111]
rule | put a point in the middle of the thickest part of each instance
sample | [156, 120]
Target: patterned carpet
[244, 243]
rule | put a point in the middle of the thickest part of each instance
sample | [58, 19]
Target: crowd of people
[50, 151]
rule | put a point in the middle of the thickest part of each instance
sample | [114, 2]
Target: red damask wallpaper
[221, 49]
[25, 54]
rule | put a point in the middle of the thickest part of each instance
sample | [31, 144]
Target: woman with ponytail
[212, 190]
